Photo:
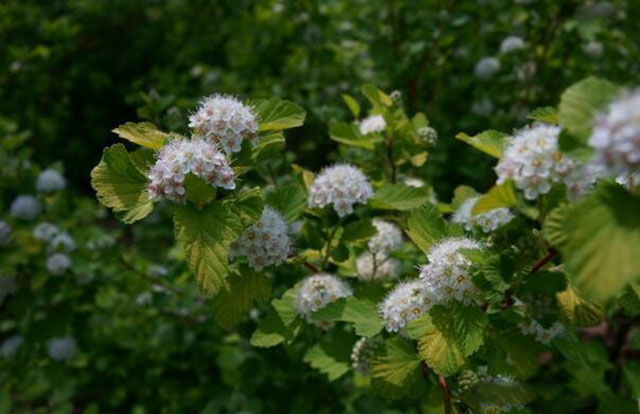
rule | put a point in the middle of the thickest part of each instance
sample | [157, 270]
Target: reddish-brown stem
[310, 267]
[542, 262]
[446, 394]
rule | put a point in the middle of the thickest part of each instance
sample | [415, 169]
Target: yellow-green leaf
[502, 195]
[490, 142]
[142, 133]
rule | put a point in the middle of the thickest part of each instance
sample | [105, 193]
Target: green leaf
[577, 310]
[399, 197]
[290, 200]
[269, 145]
[247, 205]
[352, 104]
[231, 306]
[602, 238]
[490, 142]
[426, 226]
[120, 186]
[461, 194]
[514, 354]
[358, 230]
[575, 351]
[377, 98]
[361, 312]
[348, 134]
[275, 113]
[580, 102]
[395, 369]
[502, 195]
[504, 393]
[206, 235]
[333, 356]
[546, 114]
[143, 133]
[271, 331]
[285, 306]
[553, 229]
[198, 191]
[143, 159]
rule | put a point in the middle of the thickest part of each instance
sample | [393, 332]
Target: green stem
[327, 250]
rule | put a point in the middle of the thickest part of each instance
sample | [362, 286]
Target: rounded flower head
[542, 334]
[387, 239]
[377, 266]
[406, 302]
[5, 233]
[10, 346]
[616, 136]
[25, 207]
[486, 67]
[58, 264]
[45, 231]
[50, 180]
[428, 135]
[447, 274]
[62, 242]
[488, 221]
[414, 182]
[532, 160]
[373, 123]
[317, 291]
[226, 121]
[361, 355]
[264, 243]
[511, 44]
[593, 49]
[62, 349]
[180, 157]
[343, 186]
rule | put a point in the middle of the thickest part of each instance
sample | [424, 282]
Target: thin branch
[311, 267]
[446, 394]
[543, 262]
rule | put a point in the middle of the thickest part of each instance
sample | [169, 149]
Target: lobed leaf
[142, 133]
[275, 113]
[399, 197]
[490, 142]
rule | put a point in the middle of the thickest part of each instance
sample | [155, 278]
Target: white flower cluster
[447, 273]
[25, 207]
[58, 263]
[414, 182]
[489, 220]
[396, 97]
[226, 121]
[49, 180]
[180, 157]
[486, 68]
[428, 135]
[511, 44]
[60, 244]
[373, 123]
[317, 291]
[593, 49]
[532, 160]
[630, 181]
[10, 346]
[387, 238]
[542, 334]
[62, 349]
[342, 185]
[378, 266]
[361, 355]
[5, 233]
[156, 270]
[45, 231]
[264, 243]
[616, 136]
[406, 302]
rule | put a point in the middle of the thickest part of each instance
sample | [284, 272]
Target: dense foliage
[461, 237]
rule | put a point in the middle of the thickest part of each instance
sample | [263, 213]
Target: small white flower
[361, 355]
[511, 44]
[7, 287]
[155, 270]
[10, 346]
[264, 243]
[377, 267]
[406, 302]
[593, 49]
[616, 136]
[629, 181]
[414, 182]
[542, 334]
[447, 273]
[387, 239]
[62, 349]
[62, 242]
[50, 180]
[5, 233]
[45, 231]
[489, 220]
[483, 107]
[226, 121]
[180, 157]
[428, 134]
[396, 97]
[25, 207]
[317, 291]
[486, 67]
[144, 299]
[342, 185]
[373, 123]
[58, 264]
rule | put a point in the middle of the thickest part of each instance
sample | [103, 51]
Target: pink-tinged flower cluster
[342, 185]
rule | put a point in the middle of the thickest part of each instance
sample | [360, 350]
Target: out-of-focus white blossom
[62, 349]
[428, 135]
[342, 185]
[10, 346]
[377, 266]
[447, 273]
[62, 242]
[361, 355]
[387, 239]
[25, 207]
[317, 291]
[58, 263]
[482, 107]
[155, 270]
[50, 180]
[542, 334]
[511, 44]
[629, 181]
[486, 68]
[45, 231]
[373, 123]
[489, 221]
[5, 233]
[406, 302]
[180, 157]
[226, 121]
[616, 136]
[144, 299]
[593, 49]
[264, 243]
[7, 286]
[396, 97]
[414, 182]
[526, 70]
